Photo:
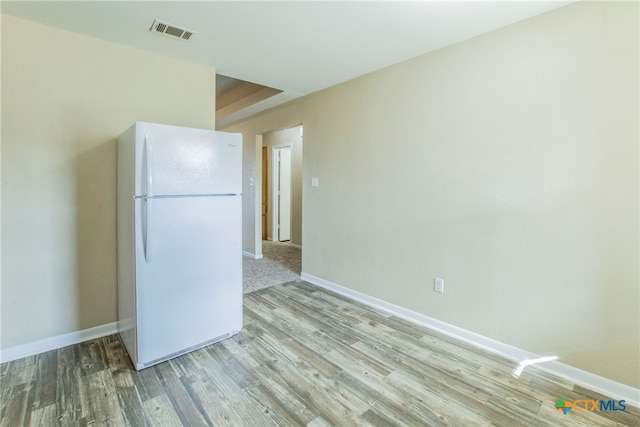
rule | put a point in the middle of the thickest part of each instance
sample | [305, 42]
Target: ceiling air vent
[171, 30]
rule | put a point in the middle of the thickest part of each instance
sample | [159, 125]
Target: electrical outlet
[438, 285]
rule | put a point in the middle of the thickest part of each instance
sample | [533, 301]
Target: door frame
[265, 205]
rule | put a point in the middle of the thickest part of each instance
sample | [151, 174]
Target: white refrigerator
[179, 240]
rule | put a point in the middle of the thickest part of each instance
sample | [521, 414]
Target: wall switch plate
[314, 182]
[438, 285]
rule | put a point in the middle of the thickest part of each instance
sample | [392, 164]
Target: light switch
[314, 182]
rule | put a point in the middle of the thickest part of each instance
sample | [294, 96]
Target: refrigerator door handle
[147, 233]
[149, 165]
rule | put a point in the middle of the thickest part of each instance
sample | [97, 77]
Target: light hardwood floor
[304, 357]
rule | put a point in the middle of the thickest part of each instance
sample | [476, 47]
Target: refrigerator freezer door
[190, 291]
[173, 160]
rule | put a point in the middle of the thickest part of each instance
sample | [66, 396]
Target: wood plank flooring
[304, 357]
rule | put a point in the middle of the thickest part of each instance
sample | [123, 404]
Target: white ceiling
[297, 46]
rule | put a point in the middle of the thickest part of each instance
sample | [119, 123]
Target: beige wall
[65, 99]
[288, 137]
[508, 165]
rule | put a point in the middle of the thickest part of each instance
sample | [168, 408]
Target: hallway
[281, 263]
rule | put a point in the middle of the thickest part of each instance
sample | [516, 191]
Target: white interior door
[284, 195]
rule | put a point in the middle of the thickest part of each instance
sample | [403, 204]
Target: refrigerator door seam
[185, 196]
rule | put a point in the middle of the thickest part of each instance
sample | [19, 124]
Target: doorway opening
[279, 232]
[282, 186]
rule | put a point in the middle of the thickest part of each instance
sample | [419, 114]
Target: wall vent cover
[171, 30]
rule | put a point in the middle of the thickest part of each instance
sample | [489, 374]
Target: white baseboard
[53, 343]
[295, 246]
[593, 382]
[251, 255]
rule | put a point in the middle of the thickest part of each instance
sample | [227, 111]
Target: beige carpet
[281, 263]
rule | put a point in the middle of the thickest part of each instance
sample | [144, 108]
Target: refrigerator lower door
[189, 292]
